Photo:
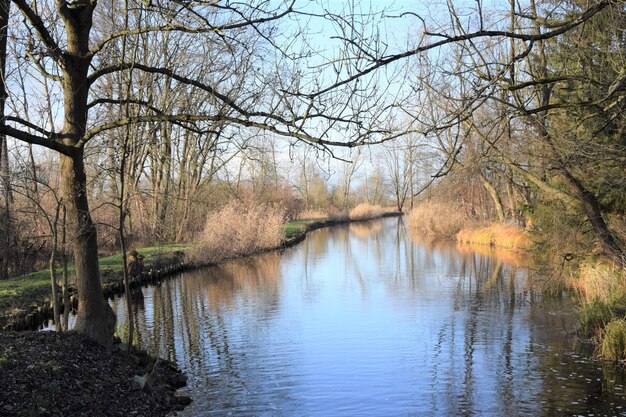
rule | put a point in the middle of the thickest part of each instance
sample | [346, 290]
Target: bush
[498, 234]
[437, 219]
[366, 211]
[613, 346]
[593, 317]
[238, 230]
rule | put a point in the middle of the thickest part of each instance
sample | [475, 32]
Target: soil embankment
[50, 374]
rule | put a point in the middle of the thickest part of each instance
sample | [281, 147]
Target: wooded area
[133, 121]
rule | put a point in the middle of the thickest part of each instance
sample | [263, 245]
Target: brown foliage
[237, 230]
[437, 219]
[366, 211]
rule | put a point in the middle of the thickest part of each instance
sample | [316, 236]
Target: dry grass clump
[437, 219]
[601, 281]
[312, 214]
[237, 230]
[498, 234]
[366, 211]
[613, 346]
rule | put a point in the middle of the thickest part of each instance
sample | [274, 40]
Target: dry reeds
[312, 214]
[498, 235]
[437, 219]
[365, 211]
[601, 281]
[238, 230]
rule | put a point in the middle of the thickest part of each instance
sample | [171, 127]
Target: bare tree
[4, 151]
[66, 51]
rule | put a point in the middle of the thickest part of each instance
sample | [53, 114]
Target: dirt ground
[49, 374]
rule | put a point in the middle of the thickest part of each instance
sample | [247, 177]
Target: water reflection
[367, 320]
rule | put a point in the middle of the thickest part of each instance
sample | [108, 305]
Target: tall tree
[5, 245]
[70, 55]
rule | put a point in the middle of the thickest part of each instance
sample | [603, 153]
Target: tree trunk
[66, 294]
[591, 208]
[4, 156]
[53, 268]
[497, 201]
[95, 317]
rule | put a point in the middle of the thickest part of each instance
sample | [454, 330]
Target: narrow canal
[367, 320]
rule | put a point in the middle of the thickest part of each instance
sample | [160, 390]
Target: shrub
[437, 219]
[593, 317]
[498, 234]
[237, 230]
[365, 211]
[613, 346]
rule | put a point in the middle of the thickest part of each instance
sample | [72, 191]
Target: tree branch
[42, 31]
[208, 28]
[33, 126]
[188, 81]
[448, 39]
[38, 140]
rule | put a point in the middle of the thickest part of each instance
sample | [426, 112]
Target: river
[367, 320]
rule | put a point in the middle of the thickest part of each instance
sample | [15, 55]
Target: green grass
[613, 346]
[593, 317]
[31, 288]
[296, 227]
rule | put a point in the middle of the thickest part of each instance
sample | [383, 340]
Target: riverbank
[50, 374]
[65, 370]
[597, 284]
[25, 301]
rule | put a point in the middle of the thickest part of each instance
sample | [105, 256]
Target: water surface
[366, 320]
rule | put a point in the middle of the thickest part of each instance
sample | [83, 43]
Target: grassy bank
[20, 292]
[441, 220]
[601, 287]
[296, 228]
[295, 231]
[496, 235]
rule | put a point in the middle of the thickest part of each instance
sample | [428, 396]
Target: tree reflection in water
[368, 319]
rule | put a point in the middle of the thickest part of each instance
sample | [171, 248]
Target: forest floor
[50, 374]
